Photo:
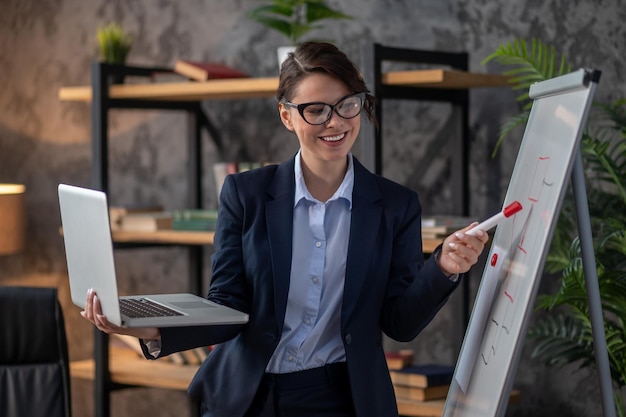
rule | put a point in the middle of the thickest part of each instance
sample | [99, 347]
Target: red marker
[508, 211]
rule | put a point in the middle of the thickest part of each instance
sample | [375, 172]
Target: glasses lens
[316, 113]
[350, 106]
[320, 113]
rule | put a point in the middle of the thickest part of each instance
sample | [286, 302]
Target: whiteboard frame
[467, 397]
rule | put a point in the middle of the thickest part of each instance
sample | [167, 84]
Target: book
[146, 222]
[434, 227]
[399, 359]
[117, 212]
[446, 221]
[168, 77]
[191, 357]
[422, 376]
[220, 171]
[203, 71]
[194, 219]
[421, 394]
[223, 169]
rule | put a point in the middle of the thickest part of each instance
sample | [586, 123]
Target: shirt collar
[344, 191]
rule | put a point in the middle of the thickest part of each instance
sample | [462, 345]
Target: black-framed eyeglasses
[318, 113]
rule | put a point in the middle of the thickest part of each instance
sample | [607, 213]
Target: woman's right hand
[93, 313]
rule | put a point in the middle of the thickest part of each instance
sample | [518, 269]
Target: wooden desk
[243, 88]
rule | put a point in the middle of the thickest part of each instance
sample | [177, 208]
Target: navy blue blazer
[388, 287]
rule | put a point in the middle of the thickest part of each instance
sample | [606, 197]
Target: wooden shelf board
[244, 88]
[204, 238]
[439, 78]
[434, 408]
[132, 370]
[429, 245]
[236, 88]
[128, 368]
[165, 236]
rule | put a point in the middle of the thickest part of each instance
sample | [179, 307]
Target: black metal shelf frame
[374, 56]
[102, 76]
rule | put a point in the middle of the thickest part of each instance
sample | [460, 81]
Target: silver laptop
[90, 264]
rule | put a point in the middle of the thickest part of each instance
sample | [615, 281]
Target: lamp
[12, 218]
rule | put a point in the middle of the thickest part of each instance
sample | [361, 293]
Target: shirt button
[315, 280]
[290, 358]
[348, 338]
[318, 244]
[307, 321]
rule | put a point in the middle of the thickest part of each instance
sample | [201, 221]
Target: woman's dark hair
[321, 57]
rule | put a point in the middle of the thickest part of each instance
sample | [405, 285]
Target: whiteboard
[492, 345]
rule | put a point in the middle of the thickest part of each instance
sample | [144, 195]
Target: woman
[324, 256]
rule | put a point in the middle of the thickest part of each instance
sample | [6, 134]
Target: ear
[285, 116]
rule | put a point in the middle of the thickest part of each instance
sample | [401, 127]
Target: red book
[202, 71]
[399, 359]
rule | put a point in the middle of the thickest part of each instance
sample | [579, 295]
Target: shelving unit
[188, 97]
[183, 96]
[449, 82]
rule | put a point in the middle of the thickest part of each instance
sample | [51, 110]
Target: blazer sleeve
[416, 290]
[227, 282]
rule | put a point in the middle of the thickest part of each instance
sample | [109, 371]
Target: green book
[194, 219]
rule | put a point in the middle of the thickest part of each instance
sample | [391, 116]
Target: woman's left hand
[460, 251]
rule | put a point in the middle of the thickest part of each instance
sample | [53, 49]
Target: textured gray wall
[47, 44]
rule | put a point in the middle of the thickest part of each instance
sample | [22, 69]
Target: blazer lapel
[279, 220]
[365, 215]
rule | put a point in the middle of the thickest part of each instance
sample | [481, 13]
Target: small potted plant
[115, 43]
[293, 18]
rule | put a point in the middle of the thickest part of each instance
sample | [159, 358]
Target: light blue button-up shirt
[312, 330]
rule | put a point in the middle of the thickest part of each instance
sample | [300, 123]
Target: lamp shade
[12, 218]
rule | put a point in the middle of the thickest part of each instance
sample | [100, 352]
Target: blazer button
[348, 338]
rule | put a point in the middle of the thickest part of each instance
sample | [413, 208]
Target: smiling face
[330, 142]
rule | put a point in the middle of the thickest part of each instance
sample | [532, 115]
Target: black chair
[34, 365]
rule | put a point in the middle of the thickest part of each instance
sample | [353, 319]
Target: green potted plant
[115, 43]
[294, 18]
[563, 334]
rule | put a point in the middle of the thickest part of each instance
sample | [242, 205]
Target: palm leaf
[530, 66]
[562, 340]
[534, 65]
[510, 124]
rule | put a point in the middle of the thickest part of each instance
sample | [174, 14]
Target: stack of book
[399, 359]
[436, 227]
[222, 169]
[194, 219]
[117, 213]
[422, 382]
[152, 221]
[203, 71]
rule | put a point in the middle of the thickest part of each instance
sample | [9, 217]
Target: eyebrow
[323, 102]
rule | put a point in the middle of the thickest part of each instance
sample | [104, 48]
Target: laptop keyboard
[141, 307]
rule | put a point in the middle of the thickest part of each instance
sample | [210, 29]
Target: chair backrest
[34, 366]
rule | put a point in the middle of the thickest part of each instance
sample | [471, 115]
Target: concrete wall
[48, 44]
